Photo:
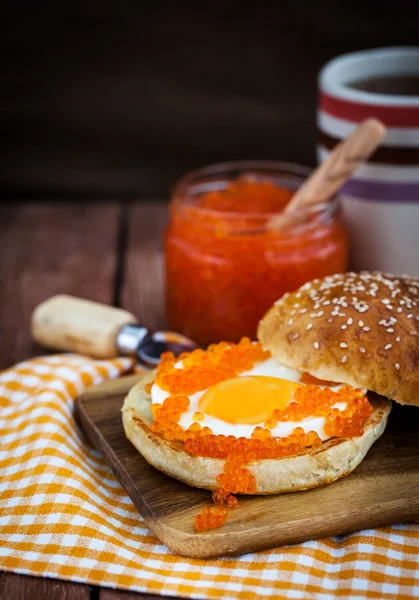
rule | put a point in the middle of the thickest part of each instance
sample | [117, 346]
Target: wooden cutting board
[384, 489]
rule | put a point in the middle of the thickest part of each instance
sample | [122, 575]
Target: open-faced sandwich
[297, 409]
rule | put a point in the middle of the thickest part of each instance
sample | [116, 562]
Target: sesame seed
[343, 326]
[413, 332]
[329, 320]
[399, 309]
[362, 350]
[409, 316]
[309, 326]
[385, 301]
[296, 304]
[295, 336]
[361, 307]
[316, 345]
[343, 345]
[290, 322]
[344, 359]
[366, 329]
[361, 323]
[350, 321]
[397, 366]
[390, 330]
[302, 311]
[387, 347]
[398, 338]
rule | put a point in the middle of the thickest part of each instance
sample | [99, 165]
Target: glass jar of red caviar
[225, 265]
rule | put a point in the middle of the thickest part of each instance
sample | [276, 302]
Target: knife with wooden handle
[73, 324]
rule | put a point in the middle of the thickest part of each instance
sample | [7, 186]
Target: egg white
[270, 368]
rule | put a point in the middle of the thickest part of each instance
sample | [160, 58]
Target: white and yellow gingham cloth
[63, 514]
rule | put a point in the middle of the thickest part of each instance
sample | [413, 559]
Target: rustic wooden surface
[20, 587]
[383, 490]
[109, 252]
[45, 250]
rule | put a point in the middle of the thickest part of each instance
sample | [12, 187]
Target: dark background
[114, 99]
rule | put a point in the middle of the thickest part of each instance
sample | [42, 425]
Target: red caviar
[225, 267]
[202, 369]
[211, 517]
[312, 400]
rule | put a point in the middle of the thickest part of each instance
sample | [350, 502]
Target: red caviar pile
[223, 361]
[211, 517]
[317, 402]
[167, 415]
[204, 368]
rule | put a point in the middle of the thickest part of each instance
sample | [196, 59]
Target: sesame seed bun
[335, 458]
[356, 328]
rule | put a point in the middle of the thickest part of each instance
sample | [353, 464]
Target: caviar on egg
[202, 370]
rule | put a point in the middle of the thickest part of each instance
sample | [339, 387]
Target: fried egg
[237, 406]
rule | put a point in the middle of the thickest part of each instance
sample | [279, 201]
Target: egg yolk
[247, 400]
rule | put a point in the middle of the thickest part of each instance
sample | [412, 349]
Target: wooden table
[109, 252]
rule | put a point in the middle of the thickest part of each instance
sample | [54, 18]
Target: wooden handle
[344, 159]
[82, 326]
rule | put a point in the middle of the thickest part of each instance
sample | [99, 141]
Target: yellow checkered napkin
[63, 514]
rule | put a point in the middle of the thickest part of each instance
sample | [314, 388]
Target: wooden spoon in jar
[326, 180]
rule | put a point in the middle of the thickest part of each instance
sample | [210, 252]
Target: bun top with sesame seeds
[356, 328]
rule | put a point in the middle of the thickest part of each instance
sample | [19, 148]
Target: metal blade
[155, 343]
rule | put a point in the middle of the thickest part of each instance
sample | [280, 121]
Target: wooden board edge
[120, 385]
[221, 543]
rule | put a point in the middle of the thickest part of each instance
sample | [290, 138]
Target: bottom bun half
[335, 458]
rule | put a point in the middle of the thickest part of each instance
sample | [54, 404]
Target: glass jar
[224, 269]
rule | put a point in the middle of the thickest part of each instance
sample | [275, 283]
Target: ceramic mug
[381, 200]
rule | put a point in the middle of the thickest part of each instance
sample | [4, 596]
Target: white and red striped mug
[381, 200]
